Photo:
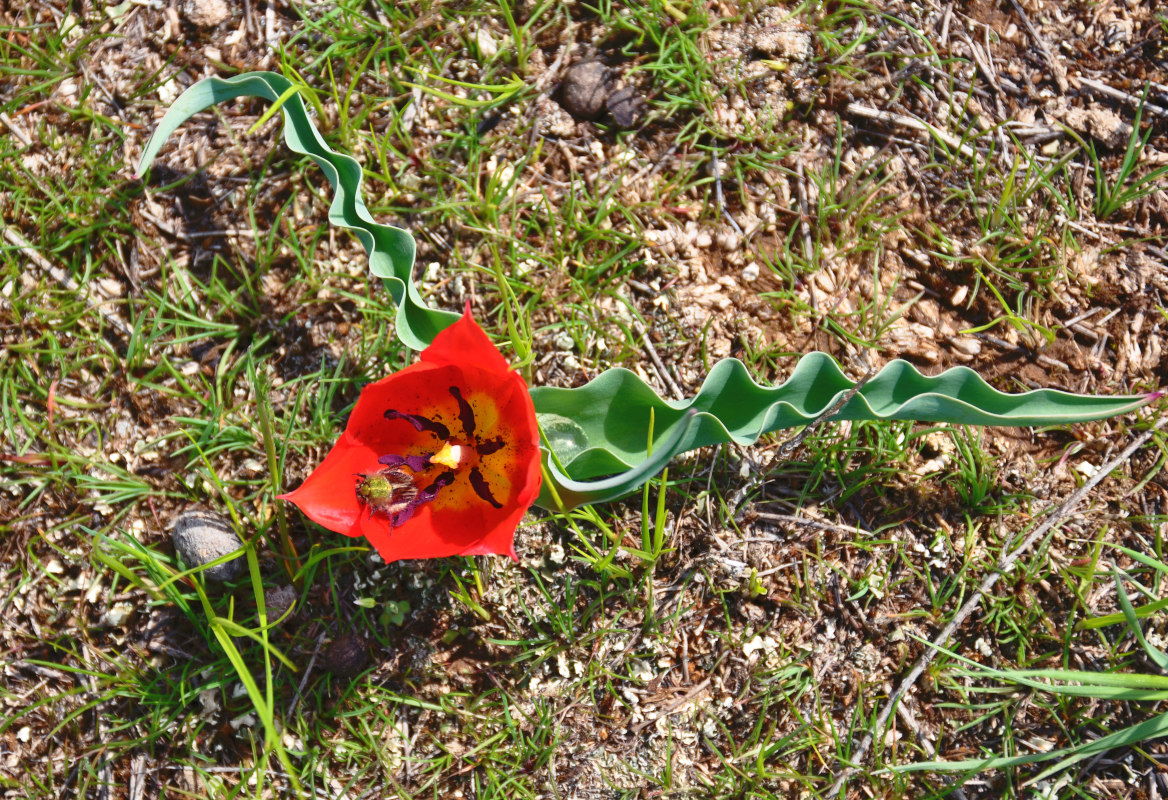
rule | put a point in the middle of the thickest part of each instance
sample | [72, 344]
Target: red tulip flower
[439, 459]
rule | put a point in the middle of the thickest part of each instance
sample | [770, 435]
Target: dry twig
[717, 169]
[912, 123]
[1054, 518]
[58, 274]
[1056, 67]
[658, 364]
[1115, 94]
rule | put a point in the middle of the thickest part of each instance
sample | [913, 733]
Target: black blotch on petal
[421, 423]
[465, 412]
[490, 446]
[479, 484]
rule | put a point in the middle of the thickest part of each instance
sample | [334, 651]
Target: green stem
[290, 560]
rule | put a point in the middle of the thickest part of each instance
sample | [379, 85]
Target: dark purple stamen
[423, 497]
[479, 484]
[416, 463]
[490, 446]
[420, 423]
[465, 412]
[441, 482]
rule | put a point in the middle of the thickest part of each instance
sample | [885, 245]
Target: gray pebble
[585, 89]
[626, 106]
[416, 659]
[791, 41]
[200, 537]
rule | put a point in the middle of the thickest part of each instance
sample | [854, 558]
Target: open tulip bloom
[439, 459]
[443, 458]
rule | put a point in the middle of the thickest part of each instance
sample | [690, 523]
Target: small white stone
[206, 13]
[750, 272]
[728, 241]
[641, 670]
[488, 47]
[116, 616]
[966, 344]
[246, 720]
[752, 647]
[208, 699]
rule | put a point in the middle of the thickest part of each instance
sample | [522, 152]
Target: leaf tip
[142, 168]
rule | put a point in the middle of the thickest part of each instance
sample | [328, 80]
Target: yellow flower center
[449, 456]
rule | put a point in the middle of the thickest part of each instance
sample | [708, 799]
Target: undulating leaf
[391, 250]
[599, 429]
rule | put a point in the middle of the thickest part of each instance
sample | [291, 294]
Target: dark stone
[416, 659]
[585, 89]
[347, 656]
[626, 106]
[200, 537]
[278, 600]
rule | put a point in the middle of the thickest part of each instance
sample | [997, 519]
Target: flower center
[449, 456]
[456, 456]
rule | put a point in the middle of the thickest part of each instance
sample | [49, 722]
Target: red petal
[418, 389]
[465, 344]
[328, 496]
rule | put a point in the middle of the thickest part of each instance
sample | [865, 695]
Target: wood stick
[62, 277]
[1115, 94]
[912, 123]
[1056, 67]
[1054, 518]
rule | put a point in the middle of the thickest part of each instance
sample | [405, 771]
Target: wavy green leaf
[600, 428]
[391, 250]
